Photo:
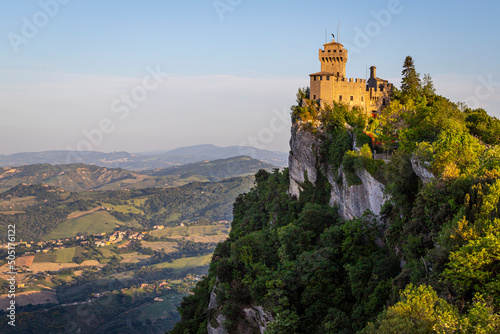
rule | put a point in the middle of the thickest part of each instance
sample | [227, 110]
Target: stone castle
[331, 83]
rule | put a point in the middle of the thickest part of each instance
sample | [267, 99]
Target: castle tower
[331, 85]
[333, 58]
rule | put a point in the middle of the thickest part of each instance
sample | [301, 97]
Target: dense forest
[428, 264]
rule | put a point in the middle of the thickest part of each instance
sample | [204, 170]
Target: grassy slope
[65, 255]
[186, 263]
[97, 222]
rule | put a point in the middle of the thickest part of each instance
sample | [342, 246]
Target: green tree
[428, 86]
[410, 84]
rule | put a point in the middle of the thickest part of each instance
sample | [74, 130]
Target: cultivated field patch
[25, 261]
[45, 257]
[65, 255]
[30, 297]
[169, 247]
[46, 266]
[134, 257]
[94, 223]
[186, 263]
[123, 208]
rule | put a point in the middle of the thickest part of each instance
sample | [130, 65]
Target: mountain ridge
[143, 161]
[83, 177]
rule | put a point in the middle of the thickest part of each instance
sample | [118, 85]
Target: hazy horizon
[146, 151]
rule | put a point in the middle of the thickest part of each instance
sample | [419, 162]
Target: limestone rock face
[304, 147]
[353, 201]
[256, 318]
[420, 169]
[219, 319]
[220, 329]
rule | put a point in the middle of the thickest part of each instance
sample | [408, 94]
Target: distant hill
[143, 161]
[80, 177]
[209, 152]
[72, 177]
[214, 169]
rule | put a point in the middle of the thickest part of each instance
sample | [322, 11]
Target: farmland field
[134, 257]
[45, 257]
[186, 263]
[46, 266]
[168, 246]
[123, 208]
[30, 297]
[177, 231]
[94, 223]
[106, 251]
[183, 231]
[65, 255]
[25, 261]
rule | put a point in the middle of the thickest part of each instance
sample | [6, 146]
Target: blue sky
[231, 68]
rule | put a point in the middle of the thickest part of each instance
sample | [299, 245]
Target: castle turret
[333, 58]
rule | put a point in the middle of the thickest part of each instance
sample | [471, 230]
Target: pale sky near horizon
[84, 74]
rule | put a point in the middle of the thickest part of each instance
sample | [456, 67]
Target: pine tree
[410, 84]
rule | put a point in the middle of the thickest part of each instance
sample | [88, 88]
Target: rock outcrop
[420, 169]
[256, 318]
[353, 201]
[302, 161]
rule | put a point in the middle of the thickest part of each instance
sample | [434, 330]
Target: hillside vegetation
[429, 262]
[45, 212]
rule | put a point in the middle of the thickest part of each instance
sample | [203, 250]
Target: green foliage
[336, 145]
[456, 153]
[422, 311]
[352, 162]
[480, 124]
[296, 258]
[357, 161]
[474, 267]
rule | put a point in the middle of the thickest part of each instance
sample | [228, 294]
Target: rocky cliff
[305, 163]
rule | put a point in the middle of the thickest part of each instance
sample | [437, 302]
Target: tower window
[361, 98]
[314, 97]
[352, 98]
[314, 78]
[340, 97]
[320, 77]
[327, 77]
